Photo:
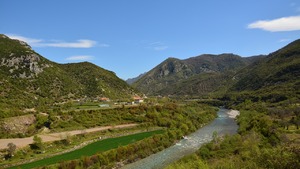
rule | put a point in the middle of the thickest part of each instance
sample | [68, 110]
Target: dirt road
[22, 142]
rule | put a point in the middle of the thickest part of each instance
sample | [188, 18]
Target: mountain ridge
[173, 71]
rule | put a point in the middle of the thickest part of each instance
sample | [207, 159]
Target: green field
[91, 149]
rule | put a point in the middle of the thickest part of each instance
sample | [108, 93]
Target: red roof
[104, 98]
[137, 98]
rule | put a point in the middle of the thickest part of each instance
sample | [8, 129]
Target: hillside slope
[29, 80]
[97, 81]
[274, 78]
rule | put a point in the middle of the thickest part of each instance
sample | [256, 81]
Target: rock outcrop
[25, 66]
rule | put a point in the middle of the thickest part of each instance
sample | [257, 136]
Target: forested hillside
[273, 79]
[28, 80]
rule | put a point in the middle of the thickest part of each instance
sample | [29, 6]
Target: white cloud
[291, 23]
[25, 39]
[82, 43]
[80, 58]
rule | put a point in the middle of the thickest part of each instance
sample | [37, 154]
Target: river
[223, 124]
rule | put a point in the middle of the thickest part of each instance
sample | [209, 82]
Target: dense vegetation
[97, 80]
[264, 140]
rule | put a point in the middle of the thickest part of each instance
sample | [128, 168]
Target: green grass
[91, 149]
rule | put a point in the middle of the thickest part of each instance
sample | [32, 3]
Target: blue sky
[131, 37]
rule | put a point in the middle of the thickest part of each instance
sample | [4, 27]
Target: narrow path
[23, 142]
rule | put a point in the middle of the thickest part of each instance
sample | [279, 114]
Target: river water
[223, 124]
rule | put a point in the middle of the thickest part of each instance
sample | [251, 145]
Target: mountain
[280, 67]
[132, 80]
[273, 78]
[28, 80]
[199, 75]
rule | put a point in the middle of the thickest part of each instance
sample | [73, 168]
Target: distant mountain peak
[132, 80]
[197, 74]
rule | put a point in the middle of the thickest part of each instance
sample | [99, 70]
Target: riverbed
[223, 124]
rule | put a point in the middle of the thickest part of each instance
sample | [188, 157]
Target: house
[138, 99]
[104, 99]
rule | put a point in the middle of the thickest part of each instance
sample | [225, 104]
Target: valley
[47, 109]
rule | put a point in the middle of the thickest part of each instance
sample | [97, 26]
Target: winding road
[23, 142]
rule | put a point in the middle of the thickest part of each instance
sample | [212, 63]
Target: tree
[37, 144]
[184, 128]
[41, 120]
[11, 149]
[247, 104]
